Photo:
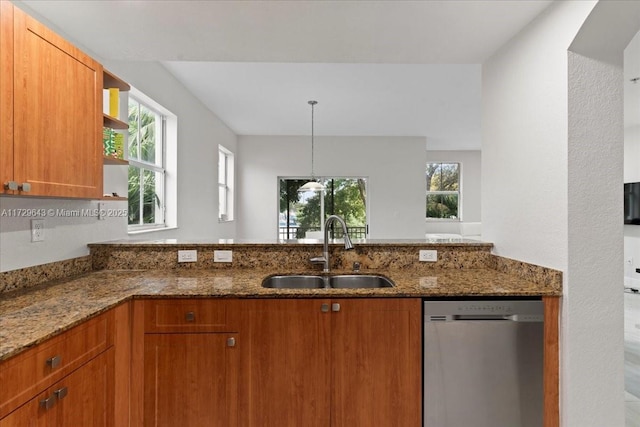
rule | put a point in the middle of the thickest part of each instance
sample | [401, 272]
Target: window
[225, 184]
[147, 136]
[302, 214]
[443, 191]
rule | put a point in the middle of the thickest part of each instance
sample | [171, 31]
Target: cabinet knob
[231, 342]
[54, 361]
[24, 187]
[11, 185]
[61, 393]
[335, 307]
[190, 316]
[48, 402]
[324, 308]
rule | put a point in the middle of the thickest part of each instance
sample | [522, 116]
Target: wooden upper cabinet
[57, 113]
[6, 93]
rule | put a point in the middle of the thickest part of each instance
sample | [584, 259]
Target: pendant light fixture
[312, 185]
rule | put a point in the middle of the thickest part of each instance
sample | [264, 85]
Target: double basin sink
[338, 281]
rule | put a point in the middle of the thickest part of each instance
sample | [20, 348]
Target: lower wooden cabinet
[190, 380]
[338, 362]
[281, 362]
[286, 365]
[83, 398]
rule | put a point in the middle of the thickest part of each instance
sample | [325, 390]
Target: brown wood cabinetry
[376, 362]
[287, 366]
[71, 379]
[341, 362]
[188, 351]
[190, 379]
[51, 138]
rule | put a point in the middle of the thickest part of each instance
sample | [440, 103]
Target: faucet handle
[318, 260]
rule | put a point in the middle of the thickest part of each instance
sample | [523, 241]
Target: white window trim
[444, 193]
[228, 185]
[169, 166]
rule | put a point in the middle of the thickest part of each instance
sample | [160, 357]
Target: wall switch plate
[428, 255]
[37, 230]
[222, 256]
[188, 256]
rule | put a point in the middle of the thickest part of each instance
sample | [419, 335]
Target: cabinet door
[6, 94]
[86, 397]
[57, 114]
[287, 370]
[376, 362]
[31, 414]
[83, 398]
[190, 380]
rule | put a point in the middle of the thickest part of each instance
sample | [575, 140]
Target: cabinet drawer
[190, 315]
[28, 373]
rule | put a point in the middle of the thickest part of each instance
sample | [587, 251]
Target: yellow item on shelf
[114, 102]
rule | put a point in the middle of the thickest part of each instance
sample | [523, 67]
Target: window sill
[150, 230]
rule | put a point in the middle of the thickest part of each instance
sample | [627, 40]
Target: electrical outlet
[428, 255]
[37, 230]
[190, 255]
[222, 256]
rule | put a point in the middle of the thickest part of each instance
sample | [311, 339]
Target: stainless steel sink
[356, 281]
[339, 281]
[294, 282]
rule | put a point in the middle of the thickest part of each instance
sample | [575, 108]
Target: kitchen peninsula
[149, 306]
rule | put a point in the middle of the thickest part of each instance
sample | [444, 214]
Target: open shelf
[113, 123]
[114, 161]
[113, 198]
[110, 80]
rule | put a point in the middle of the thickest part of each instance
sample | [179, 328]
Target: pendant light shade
[312, 185]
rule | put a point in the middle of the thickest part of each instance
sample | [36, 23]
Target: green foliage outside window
[142, 147]
[443, 190]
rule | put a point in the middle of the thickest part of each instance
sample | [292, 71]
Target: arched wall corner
[592, 315]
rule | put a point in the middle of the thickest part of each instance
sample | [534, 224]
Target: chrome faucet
[324, 259]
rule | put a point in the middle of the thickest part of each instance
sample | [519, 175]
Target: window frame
[227, 187]
[445, 192]
[158, 167]
[307, 178]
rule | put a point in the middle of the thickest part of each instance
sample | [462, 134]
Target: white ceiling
[407, 68]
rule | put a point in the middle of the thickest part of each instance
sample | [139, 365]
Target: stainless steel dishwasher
[483, 363]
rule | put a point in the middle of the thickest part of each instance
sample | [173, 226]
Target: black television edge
[632, 203]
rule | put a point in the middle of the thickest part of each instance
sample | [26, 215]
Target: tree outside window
[443, 191]
[146, 166]
[304, 212]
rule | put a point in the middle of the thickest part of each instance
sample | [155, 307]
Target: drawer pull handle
[48, 402]
[335, 306]
[54, 362]
[231, 342]
[324, 308]
[61, 393]
[190, 316]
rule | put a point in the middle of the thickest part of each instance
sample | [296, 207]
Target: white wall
[199, 133]
[552, 153]
[394, 167]
[470, 161]
[632, 154]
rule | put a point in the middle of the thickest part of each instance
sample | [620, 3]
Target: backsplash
[284, 257]
[36, 275]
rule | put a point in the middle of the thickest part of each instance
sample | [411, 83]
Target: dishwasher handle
[485, 318]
